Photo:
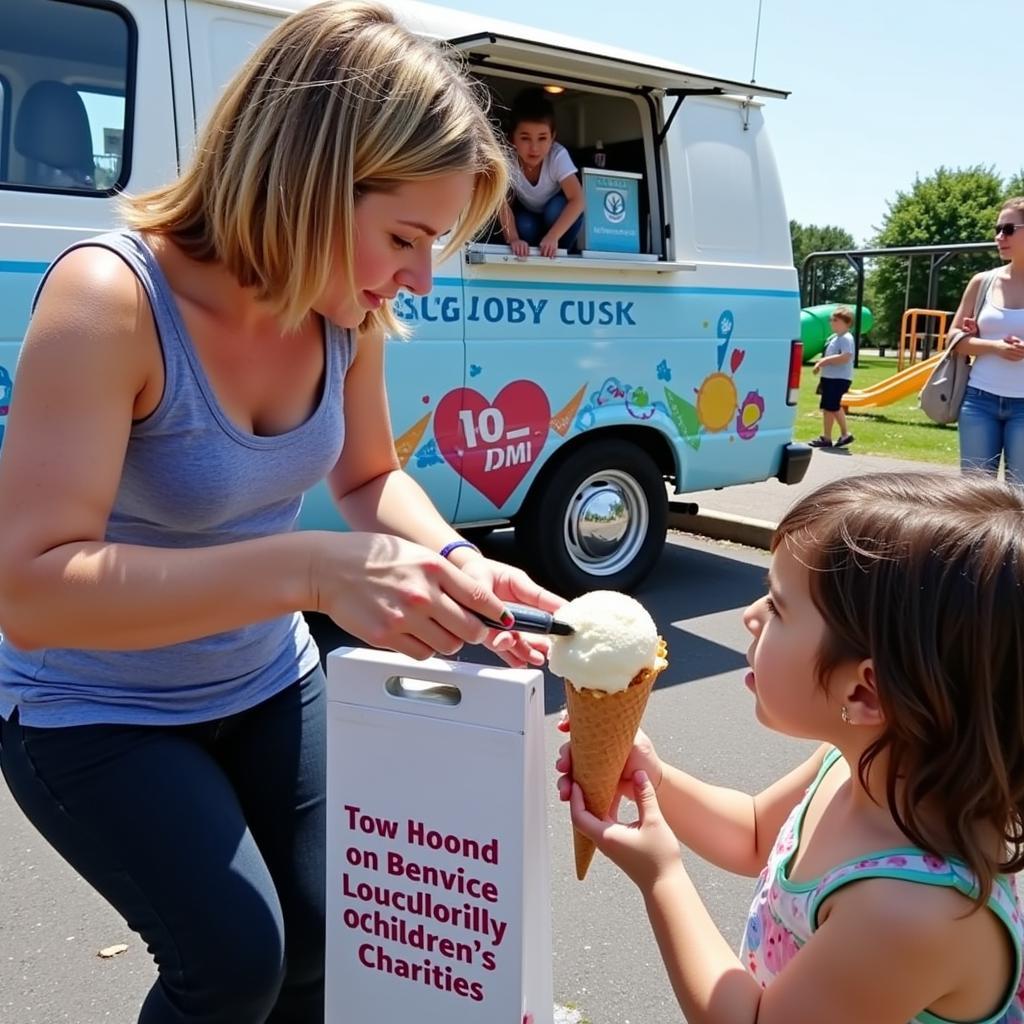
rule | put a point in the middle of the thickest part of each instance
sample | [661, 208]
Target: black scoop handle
[531, 620]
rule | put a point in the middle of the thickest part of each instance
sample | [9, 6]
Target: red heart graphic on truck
[492, 445]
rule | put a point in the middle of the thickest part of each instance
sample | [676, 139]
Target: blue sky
[875, 99]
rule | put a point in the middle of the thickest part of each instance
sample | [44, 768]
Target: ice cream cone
[602, 728]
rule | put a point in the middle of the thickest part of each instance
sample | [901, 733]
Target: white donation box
[438, 877]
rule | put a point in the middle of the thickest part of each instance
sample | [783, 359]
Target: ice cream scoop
[612, 639]
[530, 620]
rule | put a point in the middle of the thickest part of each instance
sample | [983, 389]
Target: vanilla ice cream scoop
[613, 639]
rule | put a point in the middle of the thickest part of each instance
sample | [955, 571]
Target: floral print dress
[784, 914]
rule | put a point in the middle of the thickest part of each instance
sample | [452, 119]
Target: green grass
[900, 430]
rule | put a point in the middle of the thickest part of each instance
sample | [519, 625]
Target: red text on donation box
[438, 881]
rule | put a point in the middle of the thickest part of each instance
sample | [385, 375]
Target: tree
[1015, 186]
[834, 280]
[951, 206]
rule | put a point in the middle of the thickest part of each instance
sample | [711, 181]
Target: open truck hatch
[618, 69]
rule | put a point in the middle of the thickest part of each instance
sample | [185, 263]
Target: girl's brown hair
[337, 101]
[924, 574]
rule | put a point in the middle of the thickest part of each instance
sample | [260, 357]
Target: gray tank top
[191, 479]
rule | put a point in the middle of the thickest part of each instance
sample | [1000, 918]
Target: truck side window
[65, 68]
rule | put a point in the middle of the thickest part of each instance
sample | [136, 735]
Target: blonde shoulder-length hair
[339, 100]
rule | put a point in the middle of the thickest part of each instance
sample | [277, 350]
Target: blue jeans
[208, 839]
[990, 426]
[533, 226]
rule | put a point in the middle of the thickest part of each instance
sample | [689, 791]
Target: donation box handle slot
[427, 691]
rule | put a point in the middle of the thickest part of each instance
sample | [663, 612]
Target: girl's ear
[860, 696]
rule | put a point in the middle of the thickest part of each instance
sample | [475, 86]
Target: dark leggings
[208, 839]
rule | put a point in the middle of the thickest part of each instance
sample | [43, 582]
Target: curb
[755, 533]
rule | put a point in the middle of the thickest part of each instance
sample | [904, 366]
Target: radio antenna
[753, 69]
[757, 40]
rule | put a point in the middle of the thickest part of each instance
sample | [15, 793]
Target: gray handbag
[943, 393]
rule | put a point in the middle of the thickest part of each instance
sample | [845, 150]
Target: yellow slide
[892, 389]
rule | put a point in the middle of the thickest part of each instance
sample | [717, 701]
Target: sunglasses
[1007, 229]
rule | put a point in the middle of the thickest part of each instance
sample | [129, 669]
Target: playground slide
[892, 389]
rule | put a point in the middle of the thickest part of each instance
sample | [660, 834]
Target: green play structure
[815, 327]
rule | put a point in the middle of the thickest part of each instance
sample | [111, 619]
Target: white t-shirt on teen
[557, 166]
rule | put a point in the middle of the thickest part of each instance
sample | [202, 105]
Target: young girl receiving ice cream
[892, 631]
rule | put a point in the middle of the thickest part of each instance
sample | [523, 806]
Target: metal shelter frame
[938, 256]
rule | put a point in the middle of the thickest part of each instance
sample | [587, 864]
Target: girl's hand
[549, 246]
[646, 850]
[970, 326]
[816, 369]
[520, 248]
[512, 584]
[642, 758]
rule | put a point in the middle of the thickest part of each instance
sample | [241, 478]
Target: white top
[991, 372]
[556, 168]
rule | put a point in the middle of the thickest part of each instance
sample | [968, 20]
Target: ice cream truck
[568, 397]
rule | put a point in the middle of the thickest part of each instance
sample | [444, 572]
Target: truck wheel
[595, 521]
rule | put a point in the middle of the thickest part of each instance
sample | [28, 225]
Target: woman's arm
[368, 483]
[373, 493]
[971, 346]
[87, 357]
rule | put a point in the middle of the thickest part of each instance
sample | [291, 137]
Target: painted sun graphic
[716, 402]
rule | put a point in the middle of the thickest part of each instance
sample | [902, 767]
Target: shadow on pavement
[690, 581]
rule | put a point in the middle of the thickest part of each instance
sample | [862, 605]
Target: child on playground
[892, 631]
[836, 369]
[546, 209]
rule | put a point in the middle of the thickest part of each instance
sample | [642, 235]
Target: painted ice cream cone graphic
[562, 420]
[406, 444]
[610, 665]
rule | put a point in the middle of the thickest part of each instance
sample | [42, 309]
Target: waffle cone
[602, 729]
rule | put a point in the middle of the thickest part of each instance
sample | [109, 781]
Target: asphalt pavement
[747, 513]
[606, 965]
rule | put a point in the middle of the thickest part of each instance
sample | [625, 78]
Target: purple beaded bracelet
[455, 545]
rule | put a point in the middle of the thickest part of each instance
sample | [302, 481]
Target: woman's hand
[398, 595]
[970, 326]
[512, 584]
[549, 246]
[646, 850]
[642, 758]
[1011, 348]
[816, 369]
[519, 248]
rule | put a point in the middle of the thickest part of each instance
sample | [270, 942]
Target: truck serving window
[605, 138]
[66, 70]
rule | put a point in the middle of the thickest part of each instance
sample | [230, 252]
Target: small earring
[845, 715]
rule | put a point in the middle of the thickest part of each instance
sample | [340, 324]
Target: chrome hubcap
[606, 522]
